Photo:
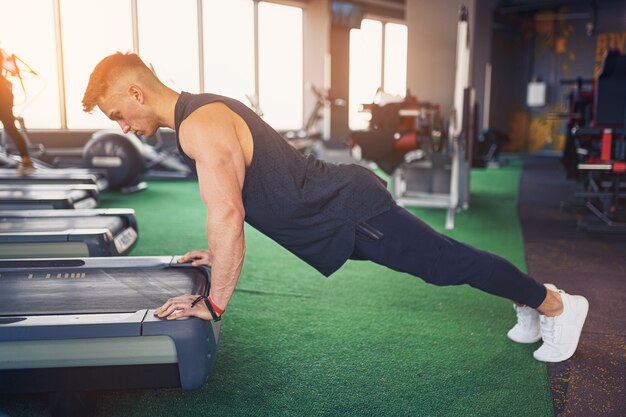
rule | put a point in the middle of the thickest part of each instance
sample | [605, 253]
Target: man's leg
[26, 166]
[407, 244]
[402, 242]
[16, 136]
[8, 122]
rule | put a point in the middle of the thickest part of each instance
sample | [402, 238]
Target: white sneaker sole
[580, 322]
[517, 339]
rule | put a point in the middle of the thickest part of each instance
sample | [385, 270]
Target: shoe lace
[548, 329]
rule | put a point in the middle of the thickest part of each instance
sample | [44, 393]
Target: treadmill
[48, 196]
[70, 326]
[67, 233]
[60, 175]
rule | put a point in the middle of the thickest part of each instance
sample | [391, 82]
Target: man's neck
[165, 108]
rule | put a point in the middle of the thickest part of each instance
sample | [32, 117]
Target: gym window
[228, 48]
[90, 30]
[396, 38]
[40, 105]
[169, 43]
[281, 65]
[221, 46]
[373, 66]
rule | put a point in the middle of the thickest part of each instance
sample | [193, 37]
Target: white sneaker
[527, 329]
[561, 334]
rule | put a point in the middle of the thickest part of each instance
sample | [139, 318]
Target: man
[8, 66]
[323, 213]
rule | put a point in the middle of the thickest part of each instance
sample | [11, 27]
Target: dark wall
[611, 16]
[511, 68]
[550, 45]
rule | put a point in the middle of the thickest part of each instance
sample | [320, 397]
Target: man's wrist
[214, 311]
[216, 308]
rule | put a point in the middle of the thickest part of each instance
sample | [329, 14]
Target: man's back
[308, 206]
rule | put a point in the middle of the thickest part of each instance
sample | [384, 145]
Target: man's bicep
[214, 146]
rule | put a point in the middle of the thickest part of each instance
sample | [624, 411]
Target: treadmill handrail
[95, 262]
[66, 213]
[64, 232]
[37, 195]
[48, 187]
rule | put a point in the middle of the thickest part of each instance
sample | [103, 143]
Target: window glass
[91, 30]
[168, 41]
[228, 38]
[365, 70]
[281, 65]
[395, 58]
[30, 36]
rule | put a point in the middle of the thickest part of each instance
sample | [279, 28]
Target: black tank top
[308, 206]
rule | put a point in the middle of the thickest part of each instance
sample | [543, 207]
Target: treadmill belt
[58, 224]
[93, 291]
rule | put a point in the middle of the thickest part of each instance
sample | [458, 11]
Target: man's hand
[199, 257]
[178, 307]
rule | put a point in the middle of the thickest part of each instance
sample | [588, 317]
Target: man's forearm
[228, 256]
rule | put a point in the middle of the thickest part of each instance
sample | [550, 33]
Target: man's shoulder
[213, 115]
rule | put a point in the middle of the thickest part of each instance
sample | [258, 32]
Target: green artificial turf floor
[365, 342]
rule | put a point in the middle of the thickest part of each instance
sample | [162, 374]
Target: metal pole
[382, 60]
[56, 10]
[200, 46]
[256, 51]
[487, 97]
[135, 25]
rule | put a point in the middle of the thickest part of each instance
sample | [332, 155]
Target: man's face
[129, 113]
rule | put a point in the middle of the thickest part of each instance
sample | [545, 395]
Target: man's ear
[136, 93]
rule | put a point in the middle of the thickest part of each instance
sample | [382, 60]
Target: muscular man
[323, 213]
[8, 119]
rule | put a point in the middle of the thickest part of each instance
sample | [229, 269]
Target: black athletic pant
[7, 118]
[399, 240]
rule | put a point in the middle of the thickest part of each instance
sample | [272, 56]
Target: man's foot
[561, 334]
[25, 169]
[527, 329]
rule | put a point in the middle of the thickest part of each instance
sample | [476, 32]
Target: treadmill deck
[61, 291]
[87, 324]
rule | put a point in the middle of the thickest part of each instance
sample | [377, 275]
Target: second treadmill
[48, 196]
[65, 176]
[67, 233]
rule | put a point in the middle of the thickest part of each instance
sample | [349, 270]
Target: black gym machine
[595, 150]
